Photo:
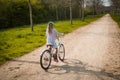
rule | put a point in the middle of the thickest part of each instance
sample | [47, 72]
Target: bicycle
[47, 54]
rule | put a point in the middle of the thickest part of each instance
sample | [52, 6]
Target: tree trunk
[71, 12]
[83, 10]
[80, 12]
[65, 14]
[80, 9]
[57, 14]
[94, 7]
[30, 10]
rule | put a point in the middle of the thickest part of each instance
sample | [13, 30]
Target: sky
[107, 2]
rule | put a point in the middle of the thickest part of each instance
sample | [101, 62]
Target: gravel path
[92, 53]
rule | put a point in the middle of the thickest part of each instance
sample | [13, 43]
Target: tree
[30, 10]
[95, 5]
[80, 7]
[81, 4]
[53, 5]
[116, 6]
[71, 12]
[83, 10]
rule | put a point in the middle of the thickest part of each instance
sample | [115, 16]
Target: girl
[51, 34]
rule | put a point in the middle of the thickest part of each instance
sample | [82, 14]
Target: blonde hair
[50, 27]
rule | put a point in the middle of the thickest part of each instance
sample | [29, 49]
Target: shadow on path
[25, 61]
[78, 67]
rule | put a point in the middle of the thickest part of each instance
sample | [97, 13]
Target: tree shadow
[79, 67]
[25, 61]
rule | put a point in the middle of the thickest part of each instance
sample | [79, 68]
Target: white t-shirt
[51, 37]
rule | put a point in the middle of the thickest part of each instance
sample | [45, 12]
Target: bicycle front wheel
[61, 52]
[45, 59]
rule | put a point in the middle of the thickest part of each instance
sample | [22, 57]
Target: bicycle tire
[41, 59]
[61, 52]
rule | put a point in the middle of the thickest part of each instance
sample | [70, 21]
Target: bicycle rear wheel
[61, 53]
[45, 59]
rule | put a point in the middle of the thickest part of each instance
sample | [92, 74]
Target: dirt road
[92, 53]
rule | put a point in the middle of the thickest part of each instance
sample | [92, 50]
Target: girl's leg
[56, 51]
[55, 55]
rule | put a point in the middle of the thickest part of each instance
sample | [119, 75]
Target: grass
[116, 18]
[16, 42]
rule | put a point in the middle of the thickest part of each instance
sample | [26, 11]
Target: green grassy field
[16, 42]
[116, 18]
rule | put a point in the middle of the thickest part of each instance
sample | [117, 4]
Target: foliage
[16, 13]
[116, 18]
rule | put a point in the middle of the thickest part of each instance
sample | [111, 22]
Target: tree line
[115, 7]
[23, 12]
[16, 13]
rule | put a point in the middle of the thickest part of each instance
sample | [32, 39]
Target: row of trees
[80, 8]
[23, 12]
[115, 7]
[16, 13]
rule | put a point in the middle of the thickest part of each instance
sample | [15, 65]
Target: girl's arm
[58, 33]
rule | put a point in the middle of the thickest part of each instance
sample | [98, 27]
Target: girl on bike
[51, 34]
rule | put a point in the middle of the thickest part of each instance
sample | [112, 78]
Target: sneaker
[55, 58]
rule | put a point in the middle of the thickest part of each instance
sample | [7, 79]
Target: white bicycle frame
[58, 41]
